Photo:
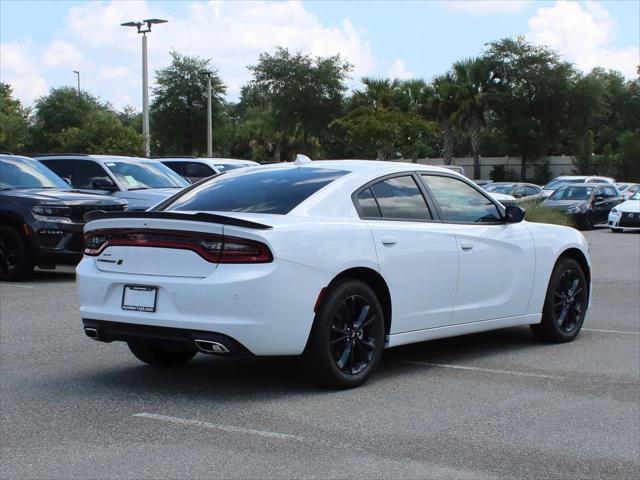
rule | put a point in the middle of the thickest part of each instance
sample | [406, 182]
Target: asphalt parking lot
[493, 405]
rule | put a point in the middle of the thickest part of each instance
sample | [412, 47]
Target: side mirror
[103, 184]
[513, 214]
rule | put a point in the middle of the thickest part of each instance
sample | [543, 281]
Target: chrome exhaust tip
[208, 346]
[91, 333]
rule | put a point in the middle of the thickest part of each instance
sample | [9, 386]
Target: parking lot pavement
[493, 405]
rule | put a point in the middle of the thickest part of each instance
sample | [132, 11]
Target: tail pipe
[209, 346]
[92, 333]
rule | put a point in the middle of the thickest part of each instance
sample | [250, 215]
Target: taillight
[213, 248]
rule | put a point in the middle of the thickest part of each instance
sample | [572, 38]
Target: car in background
[142, 182]
[522, 192]
[588, 204]
[628, 189]
[558, 182]
[483, 183]
[454, 168]
[503, 198]
[41, 217]
[196, 169]
[626, 216]
[326, 259]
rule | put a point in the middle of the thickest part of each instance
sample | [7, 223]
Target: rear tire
[565, 305]
[587, 221]
[347, 338]
[15, 263]
[160, 356]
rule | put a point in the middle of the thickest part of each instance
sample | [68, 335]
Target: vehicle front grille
[630, 219]
[50, 238]
[78, 211]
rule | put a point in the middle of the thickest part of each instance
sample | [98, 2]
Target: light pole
[208, 73]
[78, 74]
[145, 76]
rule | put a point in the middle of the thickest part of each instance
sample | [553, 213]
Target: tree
[179, 107]
[532, 101]
[583, 159]
[62, 108]
[442, 107]
[303, 94]
[474, 81]
[629, 168]
[14, 122]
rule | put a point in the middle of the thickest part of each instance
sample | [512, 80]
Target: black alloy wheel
[347, 338]
[565, 304]
[14, 261]
[587, 221]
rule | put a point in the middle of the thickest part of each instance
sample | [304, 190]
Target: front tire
[587, 221]
[160, 356]
[14, 255]
[565, 305]
[347, 338]
[616, 230]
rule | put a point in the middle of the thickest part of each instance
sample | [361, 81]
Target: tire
[160, 356]
[587, 221]
[15, 263]
[340, 354]
[565, 305]
[616, 230]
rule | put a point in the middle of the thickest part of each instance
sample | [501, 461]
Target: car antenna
[301, 160]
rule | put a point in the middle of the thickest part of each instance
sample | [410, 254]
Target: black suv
[41, 217]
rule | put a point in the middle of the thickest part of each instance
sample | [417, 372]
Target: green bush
[535, 212]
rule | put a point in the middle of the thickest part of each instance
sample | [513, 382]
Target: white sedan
[626, 216]
[333, 260]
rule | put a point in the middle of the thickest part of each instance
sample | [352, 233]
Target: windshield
[258, 191]
[18, 172]
[506, 189]
[143, 175]
[555, 184]
[635, 196]
[572, 193]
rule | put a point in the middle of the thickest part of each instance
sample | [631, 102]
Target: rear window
[263, 191]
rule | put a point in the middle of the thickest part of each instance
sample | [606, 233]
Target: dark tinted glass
[177, 167]
[368, 205]
[86, 173]
[272, 190]
[197, 170]
[62, 168]
[16, 172]
[400, 198]
[572, 193]
[531, 190]
[460, 202]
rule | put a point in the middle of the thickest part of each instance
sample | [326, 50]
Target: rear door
[418, 256]
[496, 258]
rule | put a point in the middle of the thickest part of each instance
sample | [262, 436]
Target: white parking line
[14, 285]
[224, 428]
[609, 331]
[480, 369]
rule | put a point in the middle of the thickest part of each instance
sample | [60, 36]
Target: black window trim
[499, 206]
[411, 173]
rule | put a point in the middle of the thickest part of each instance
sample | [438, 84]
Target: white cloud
[584, 34]
[400, 71]
[61, 54]
[483, 7]
[18, 69]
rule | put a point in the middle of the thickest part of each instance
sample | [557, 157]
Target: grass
[535, 212]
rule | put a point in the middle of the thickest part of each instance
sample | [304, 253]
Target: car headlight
[51, 210]
[576, 209]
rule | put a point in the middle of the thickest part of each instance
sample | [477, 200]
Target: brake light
[211, 247]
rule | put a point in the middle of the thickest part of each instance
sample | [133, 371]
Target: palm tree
[442, 107]
[473, 80]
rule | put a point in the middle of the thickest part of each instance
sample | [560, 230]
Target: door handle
[466, 245]
[389, 240]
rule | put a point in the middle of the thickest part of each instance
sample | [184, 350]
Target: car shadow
[60, 274]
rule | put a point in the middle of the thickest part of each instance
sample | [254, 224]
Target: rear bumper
[267, 308]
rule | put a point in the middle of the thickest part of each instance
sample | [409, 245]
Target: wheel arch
[577, 255]
[14, 220]
[377, 283]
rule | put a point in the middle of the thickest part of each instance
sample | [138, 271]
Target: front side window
[177, 167]
[531, 190]
[572, 193]
[198, 170]
[272, 190]
[143, 175]
[460, 202]
[24, 173]
[399, 198]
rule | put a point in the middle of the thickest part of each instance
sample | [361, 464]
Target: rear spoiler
[194, 217]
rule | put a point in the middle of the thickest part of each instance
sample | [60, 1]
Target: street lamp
[144, 27]
[208, 73]
[78, 74]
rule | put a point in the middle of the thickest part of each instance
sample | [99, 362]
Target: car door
[496, 258]
[418, 256]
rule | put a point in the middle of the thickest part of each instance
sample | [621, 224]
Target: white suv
[558, 182]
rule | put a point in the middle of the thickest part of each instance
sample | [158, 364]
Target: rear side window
[272, 190]
[368, 204]
[177, 167]
[398, 198]
[198, 170]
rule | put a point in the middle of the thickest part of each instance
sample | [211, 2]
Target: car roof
[368, 166]
[102, 158]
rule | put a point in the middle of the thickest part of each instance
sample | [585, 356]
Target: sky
[42, 42]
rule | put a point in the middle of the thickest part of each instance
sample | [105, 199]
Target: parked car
[195, 169]
[503, 198]
[335, 260]
[41, 217]
[628, 189]
[483, 183]
[558, 182]
[626, 216]
[142, 182]
[587, 203]
[522, 192]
